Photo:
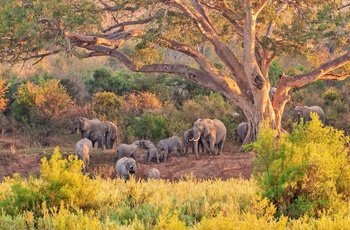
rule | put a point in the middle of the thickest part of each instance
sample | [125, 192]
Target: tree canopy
[244, 37]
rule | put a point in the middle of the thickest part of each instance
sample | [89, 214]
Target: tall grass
[63, 198]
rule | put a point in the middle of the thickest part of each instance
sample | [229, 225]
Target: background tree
[44, 106]
[243, 36]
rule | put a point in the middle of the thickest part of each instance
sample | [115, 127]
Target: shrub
[331, 95]
[64, 183]
[148, 126]
[305, 172]
[41, 103]
[106, 105]
[3, 90]
[43, 109]
[61, 183]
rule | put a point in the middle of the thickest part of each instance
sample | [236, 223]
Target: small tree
[305, 172]
[43, 107]
[106, 105]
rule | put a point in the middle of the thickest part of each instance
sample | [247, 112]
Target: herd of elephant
[210, 134]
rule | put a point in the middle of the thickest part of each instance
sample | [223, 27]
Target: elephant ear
[208, 128]
[84, 123]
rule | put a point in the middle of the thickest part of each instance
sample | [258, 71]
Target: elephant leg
[166, 151]
[186, 149]
[206, 147]
[221, 146]
[150, 155]
[146, 158]
[157, 158]
[212, 147]
[179, 153]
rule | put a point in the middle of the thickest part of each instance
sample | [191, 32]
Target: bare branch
[344, 6]
[323, 72]
[136, 22]
[260, 7]
[94, 40]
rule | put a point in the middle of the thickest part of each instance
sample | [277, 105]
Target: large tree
[244, 35]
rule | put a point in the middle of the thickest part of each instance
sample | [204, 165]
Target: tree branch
[94, 40]
[136, 22]
[323, 72]
[224, 84]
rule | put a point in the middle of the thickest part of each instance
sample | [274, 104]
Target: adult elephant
[212, 131]
[125, 167]
[304, 113]
[89, 128]
[111, 134]
[242, 130]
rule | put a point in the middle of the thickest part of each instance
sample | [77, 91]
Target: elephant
[213, 132]
[242, 130]
[111, 134]
[125, 150]
[272, 93]
[173, 143]
[125, 167]
[152, 151]
[83, 150]
[188, 141]
[304, 112]
[88, 128]
[153, 173]
[96, 137]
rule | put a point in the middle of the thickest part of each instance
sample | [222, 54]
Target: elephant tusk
[190, 140]
[196, 139]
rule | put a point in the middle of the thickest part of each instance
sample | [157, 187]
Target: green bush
[331, 95]
[61, 183]
[304, 172]
[148, 126]
[42, 109]
[106, 105]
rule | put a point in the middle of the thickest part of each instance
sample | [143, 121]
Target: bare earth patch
[224, 166]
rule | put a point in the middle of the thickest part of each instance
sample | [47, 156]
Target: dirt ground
[229, 164]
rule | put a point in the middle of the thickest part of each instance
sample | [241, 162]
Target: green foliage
[331, 95]
[4, 86]
[64, 183]
[274, 71]
[63, 198]
[147, 126]
[106, 105]
[305, 172]
[35, 24]
[43, 109]
[61, 183]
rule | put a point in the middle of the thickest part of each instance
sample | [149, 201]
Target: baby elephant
[125, 150]
[84, 150]
[152, 151]
[173, 143]
[153, 173]
[125, 167]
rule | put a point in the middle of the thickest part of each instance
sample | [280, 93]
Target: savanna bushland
[227, 55]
